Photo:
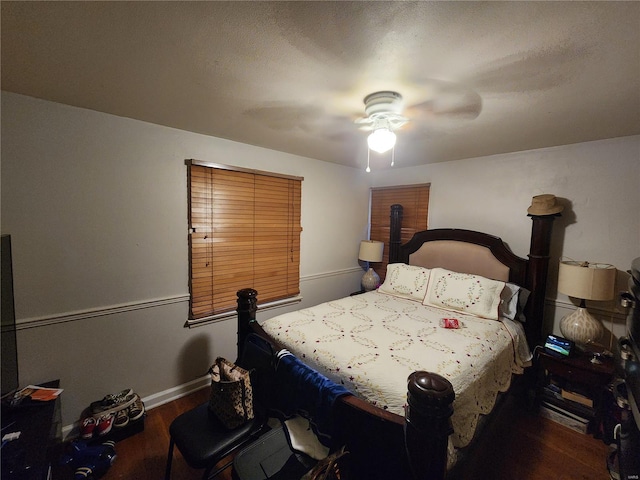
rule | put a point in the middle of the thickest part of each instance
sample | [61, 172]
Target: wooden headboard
[465, 251]
[483, 254]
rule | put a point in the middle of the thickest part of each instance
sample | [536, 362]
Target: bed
[411, 417]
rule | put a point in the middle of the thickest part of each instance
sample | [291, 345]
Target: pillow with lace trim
[464, 292]
[406, 281]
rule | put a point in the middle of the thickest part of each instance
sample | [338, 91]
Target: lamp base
[370, 280]
[581, 327]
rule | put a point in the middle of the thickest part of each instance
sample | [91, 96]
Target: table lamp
[370, 251]
[586, 281]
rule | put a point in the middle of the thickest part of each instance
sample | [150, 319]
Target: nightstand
[578, 367]
[571, 390]
[31, 455]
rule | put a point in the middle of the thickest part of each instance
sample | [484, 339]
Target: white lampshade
[586, 281]
[381, 140]
[371, 251]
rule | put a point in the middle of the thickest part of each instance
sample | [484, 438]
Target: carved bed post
[395, 233]
[428, 424]
[247, 307]
[537, 272]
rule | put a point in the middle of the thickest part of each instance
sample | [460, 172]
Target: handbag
[333, 467]
[231, 398]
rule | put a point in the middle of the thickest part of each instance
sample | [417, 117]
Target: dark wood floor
[522, 446]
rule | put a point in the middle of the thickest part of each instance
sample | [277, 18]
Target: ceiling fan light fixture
[381, 140]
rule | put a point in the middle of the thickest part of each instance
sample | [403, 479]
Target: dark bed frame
[382, 444]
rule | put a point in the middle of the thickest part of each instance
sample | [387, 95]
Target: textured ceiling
[292, 76]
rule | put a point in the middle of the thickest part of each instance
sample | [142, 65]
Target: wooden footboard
[382, 444]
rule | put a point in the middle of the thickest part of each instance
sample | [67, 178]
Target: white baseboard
[69, 432]
[166, 396]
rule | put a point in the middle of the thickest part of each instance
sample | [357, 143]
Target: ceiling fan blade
[445, 99]
[364, 123]
[465, 107]
[285, 117]
[433, 109]
[309, 120]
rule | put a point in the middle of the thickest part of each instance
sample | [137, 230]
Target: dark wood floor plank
[521, 445]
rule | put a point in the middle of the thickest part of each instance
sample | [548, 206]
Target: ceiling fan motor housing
[384, 102]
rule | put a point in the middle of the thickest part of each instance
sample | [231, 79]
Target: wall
[97, 209]
[96, 206]
[598, 182]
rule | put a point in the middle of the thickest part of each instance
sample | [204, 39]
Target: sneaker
[114, 401]
[121, 419]
[88, 427]
[105, 422]
[136, 410]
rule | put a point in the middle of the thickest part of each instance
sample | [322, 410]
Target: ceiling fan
[382, 108]
[430, 107]
[384, 112]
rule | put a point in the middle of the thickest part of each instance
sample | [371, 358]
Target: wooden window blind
[244, 232]
[415, 203]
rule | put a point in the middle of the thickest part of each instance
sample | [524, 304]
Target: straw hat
[545, 204]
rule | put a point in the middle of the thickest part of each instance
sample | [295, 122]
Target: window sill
[227, 315]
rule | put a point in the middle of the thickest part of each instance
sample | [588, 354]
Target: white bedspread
[372, 342]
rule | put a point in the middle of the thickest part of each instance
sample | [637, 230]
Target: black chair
[201, 437]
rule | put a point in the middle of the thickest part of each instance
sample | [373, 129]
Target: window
[415, 208]
[244, 232]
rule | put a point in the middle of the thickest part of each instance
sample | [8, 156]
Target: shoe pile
[113, 411]
[89, 461]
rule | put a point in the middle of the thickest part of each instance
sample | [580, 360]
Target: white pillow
[513, 300]
[463, 292]
[509, 301]
[406, 281]
[523, 296]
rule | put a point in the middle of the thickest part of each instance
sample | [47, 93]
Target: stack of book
[568, 405]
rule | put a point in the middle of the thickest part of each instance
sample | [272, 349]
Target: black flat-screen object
[9, 352]
[558, 345]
